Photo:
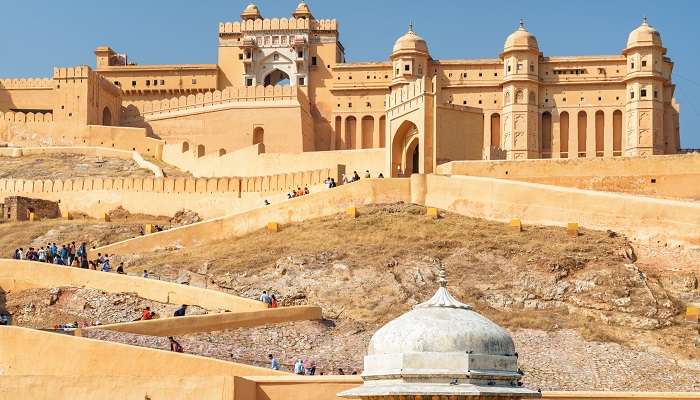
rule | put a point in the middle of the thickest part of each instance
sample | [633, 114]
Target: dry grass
[386, 232]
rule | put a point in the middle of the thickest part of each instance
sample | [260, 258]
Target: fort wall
[673, 176]
[251, 161]
[641, 218]
[20, 275]
[210, 197]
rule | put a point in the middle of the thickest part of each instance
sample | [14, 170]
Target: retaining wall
[673, 176]
[214, 322]
[20, 275]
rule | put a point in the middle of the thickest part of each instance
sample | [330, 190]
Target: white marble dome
[441, 348]
[444, 329]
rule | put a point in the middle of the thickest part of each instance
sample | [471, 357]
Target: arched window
[599, 133]
[582, 126]
[367, 132]
[185, 146]
[519, 97]
[338, 130]
[200, 150]
[564, 135]
[106, 117]
[617, 133]
[546, 135]
[496, 131]
[350, 128]
[276, 78]
[259, 135]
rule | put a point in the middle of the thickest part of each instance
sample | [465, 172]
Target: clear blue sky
[39, 34]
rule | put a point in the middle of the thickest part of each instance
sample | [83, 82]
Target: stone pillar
[375, 134]
[608, 133]
[573, 134]
[590, 134]
[342, 145]
[556, 135]
[486, 150]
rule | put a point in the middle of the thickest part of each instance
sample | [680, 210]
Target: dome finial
[410, 26]
[522, 23]
[442, 275]
[645, 21]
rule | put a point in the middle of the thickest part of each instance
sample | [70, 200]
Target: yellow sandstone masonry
[572, 228]
[352, 212]
[432, 212]
[273, 227]
[516, 224]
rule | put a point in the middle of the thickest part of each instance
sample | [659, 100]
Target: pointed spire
[410, 26]
[442, 297]
[645, 21]
[522, 23]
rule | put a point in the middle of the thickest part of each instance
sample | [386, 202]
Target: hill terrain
[584, 315]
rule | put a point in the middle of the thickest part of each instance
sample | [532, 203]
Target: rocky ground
[66, 166]
[586, 312]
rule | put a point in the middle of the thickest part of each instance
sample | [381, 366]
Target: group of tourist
[298, 193]
[301, 366]
[270, 300]
[356, 177]
[68, 254]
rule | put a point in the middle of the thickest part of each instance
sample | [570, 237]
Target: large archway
[405, 150]
[106, 117]
[276, 77]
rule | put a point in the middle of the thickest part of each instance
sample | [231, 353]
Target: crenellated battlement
[26, 83]
[405, 93]
[229, 95]
[277, 24]
[78, 72]
[22, 118]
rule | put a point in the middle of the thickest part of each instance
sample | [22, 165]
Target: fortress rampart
[277, 24]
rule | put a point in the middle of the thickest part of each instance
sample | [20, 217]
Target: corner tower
[520, 86]
[409, 58]
[647, 90]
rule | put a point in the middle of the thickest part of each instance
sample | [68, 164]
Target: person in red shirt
[274, 303]
[147, 314]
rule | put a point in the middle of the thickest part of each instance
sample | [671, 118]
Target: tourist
[180, 312]
[327, 182]
[345, 179]
[340, 371]
[299, 367]
[84, 262]
[381, 175]
[265, 298]
[175, 346]
[289, 195]
[273, 362]
[105, 265]
[306, 190]
[145, 274]
[120, 268]
[354, 373]
[71, 253]
[54, 250]
[16, 255]
[309, 367]
[267, 203]
[355, 176]
[20, 254]
[146, 314]
[273, 302]
[367, 175]
[64, 254]
[41, 255]
[58, 261]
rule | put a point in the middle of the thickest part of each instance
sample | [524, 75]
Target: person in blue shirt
[64, 254]
[180, 312]
[273, 362]
[299, 367]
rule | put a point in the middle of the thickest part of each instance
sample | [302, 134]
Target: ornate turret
[646, 92]
[520, 92]
[409, 57]
[302, 11]
[251, 12]
[441, 348]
